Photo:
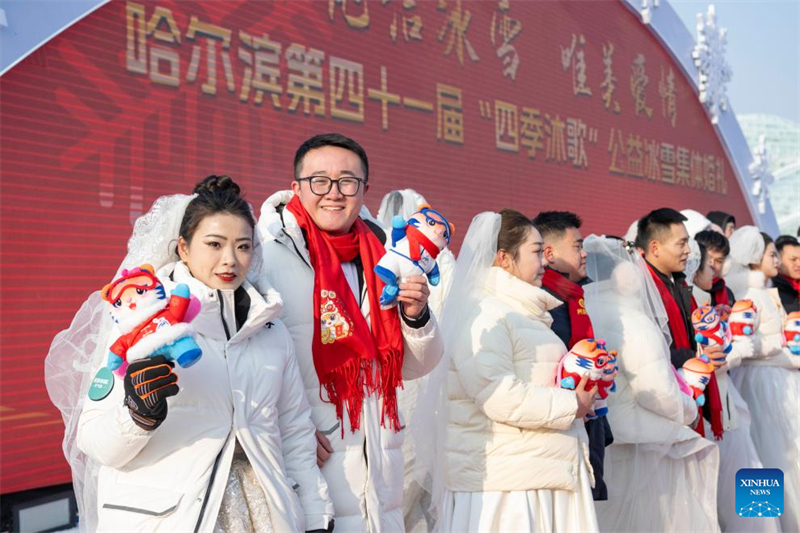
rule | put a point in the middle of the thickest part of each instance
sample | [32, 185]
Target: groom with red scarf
[665, 242]
[788, 279]
[564, 278]
[320, 252]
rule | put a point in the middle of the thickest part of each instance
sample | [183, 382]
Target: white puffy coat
[246, 389]
[768, 341]
[510, 428]
[648, 405]
[365, 471]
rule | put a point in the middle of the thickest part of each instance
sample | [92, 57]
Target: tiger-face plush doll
[150, 323]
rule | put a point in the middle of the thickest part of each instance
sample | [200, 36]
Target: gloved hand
[743, 348]
[148, 384]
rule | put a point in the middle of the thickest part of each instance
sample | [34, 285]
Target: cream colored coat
[510, 428]
[768, 341]
[648, 405]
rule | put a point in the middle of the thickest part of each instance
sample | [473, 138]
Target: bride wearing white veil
[517, 456]
[769, 381]
[232, 448]
[661, 474]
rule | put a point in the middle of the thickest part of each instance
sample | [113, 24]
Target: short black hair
[703, 255]
[330, 139]
[785, 240]
[714, 240]
[656, 222]
[555, 223]
[721, 218]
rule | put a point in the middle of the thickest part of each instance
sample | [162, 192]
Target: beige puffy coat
[510, 428]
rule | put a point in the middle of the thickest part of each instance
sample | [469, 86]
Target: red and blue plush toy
[415, 245]
[710, 329]
[150, 323]
[588, 356]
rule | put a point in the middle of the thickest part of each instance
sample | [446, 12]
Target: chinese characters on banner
[304, 79]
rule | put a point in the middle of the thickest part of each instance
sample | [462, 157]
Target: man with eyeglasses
[320, 252]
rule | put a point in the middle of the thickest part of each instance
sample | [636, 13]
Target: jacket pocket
[148, 501]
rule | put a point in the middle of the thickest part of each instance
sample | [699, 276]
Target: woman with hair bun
[517, 456]
[230, 445]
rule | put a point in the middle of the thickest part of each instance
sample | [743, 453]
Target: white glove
[742, 349]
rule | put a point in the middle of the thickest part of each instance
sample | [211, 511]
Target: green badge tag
[101, 385]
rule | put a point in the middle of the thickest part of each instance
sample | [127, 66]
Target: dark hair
[767, 239]
[330, 139]
[654, 223]
[714, 240]
[785, 240]
[721, 218]
[555, 223]
[514, 229]
[703, 255]
[215, 194]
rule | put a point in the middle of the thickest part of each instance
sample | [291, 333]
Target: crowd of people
[316, 407]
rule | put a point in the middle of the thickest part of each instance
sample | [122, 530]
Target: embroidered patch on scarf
[334, 324]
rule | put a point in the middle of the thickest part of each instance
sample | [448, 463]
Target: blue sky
[763, 51]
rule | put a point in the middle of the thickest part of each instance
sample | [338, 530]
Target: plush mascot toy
[606, 385]
[724, 311]
[710, 329]
[150, 323]
[791, 331]
[415, 245]
[588, 356]
[696, 372]
[744, 318]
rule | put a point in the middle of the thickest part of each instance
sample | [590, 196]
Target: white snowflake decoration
[762, 177]
[709, 58]
[647, 10]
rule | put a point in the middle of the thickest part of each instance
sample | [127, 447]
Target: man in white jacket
[320, 249]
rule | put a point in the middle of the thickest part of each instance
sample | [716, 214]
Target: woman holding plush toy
[769, 381]
[230, 445]
[517, 456]
[656, 458]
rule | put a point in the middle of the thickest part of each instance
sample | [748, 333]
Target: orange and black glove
[148, 384]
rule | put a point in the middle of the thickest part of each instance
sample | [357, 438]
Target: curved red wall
[91, 133]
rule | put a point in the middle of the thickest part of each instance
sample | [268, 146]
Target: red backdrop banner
[476, 105]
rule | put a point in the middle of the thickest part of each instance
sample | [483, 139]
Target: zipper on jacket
[208, 491]
[219, 455]
[222, 314]
[728, 402]
[296, 249]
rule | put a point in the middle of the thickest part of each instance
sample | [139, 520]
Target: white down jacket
[768, 340]
[648, 405]
[246, 388]
[365, 471]
[510, 428]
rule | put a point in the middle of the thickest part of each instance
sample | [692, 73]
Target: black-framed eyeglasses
[321, 185]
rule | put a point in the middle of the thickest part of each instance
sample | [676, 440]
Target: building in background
[783, 145]
[479, 105]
